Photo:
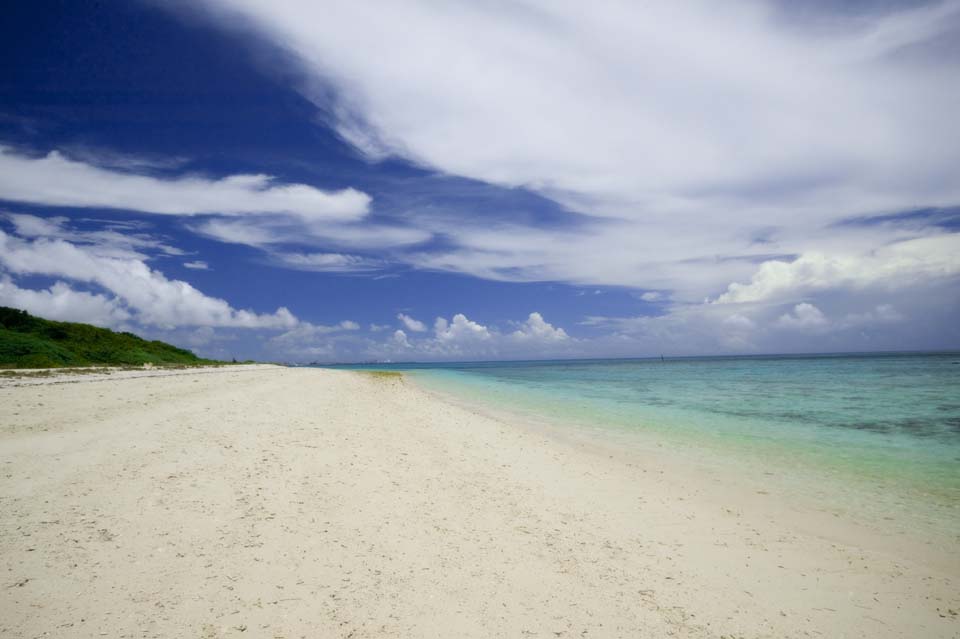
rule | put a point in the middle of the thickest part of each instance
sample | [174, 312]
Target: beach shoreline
[292, 502]
[808, 502]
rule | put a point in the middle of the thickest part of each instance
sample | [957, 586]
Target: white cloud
[60, 302]
[605, 106]
[803, 317]
[147, 294]
[257, 234]
[308, 341]
[921, 317]
[56, 180]
[197, 265]
[683, 329]
[895, 266]
[536, 329]
[260, 231]
[326, 262]
[740, 136]
[33, 226]
[881, 314]
[739, 322]
[703, 144]
[463, 338]
[108, 158]
[457, 338]
[459, 330]
[111, 239]
[412, 324]
[399, 339]
[308, 335]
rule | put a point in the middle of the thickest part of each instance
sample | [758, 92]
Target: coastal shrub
[27, 341]
[31, 351]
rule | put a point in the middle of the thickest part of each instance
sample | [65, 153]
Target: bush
[32, 342]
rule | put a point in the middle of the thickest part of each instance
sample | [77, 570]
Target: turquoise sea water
[886, 424]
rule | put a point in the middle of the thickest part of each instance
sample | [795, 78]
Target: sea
[869, 434]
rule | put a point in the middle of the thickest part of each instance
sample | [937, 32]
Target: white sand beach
[272, 502]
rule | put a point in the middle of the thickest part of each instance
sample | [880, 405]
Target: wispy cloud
[325, 262]
[682, 151]
[122, 241]
[57, 180]
[261, 231]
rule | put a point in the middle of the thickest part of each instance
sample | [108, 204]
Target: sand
[272, 502]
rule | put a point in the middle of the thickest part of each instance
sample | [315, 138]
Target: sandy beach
[279, 502]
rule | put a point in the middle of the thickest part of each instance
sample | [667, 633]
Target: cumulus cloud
[739, 322]
[921, 316]
[881, 314]
[149, 296]
[60, 302]
[56, 180]
[310, 339]
[456, 338]
[459, 330]
[399, 339]
[462, 338]
[860, 322]
[412, 324]
[536, 329]
[804, 316]
[896, 266]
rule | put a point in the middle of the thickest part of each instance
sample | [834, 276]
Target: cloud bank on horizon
[764, 178]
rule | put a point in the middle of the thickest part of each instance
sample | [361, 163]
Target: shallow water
[871, 432]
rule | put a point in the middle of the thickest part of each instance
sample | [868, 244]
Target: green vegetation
[31, 342]
[385, 375]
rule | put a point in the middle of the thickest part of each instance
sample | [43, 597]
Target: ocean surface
[872, 433]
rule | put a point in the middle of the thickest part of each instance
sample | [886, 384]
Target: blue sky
[307, 181]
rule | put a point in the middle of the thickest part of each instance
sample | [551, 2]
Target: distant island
[33, 342]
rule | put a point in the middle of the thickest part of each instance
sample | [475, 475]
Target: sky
[306, 181]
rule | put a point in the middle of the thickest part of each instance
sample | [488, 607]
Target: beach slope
[316, 503]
